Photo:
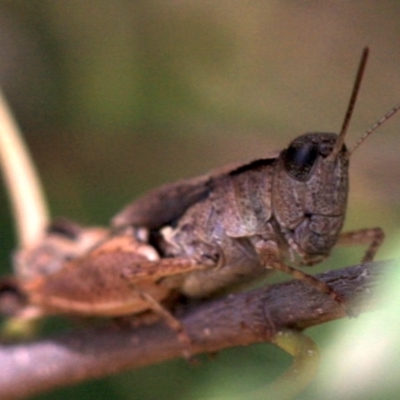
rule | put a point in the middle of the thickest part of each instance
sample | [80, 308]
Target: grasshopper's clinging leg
[169, 318]
[155, 270]
[269, 255]
[312, 281]
[373, 237]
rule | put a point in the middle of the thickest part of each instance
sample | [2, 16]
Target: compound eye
[299, 160]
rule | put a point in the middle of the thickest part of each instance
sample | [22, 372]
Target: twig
[236, 320]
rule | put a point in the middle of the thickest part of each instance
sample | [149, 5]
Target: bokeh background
[116, 97]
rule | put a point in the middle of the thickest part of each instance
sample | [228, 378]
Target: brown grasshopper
[203, 235]
[265, 215]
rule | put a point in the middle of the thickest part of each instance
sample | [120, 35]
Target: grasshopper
[270, 214]
[200, 236]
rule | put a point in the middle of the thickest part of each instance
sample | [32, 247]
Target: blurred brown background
[116, 97]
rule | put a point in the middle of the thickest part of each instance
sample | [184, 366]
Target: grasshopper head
[310, 184]
[309, 192]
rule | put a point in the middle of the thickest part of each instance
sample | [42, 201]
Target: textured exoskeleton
[203, 235]
[265, 214]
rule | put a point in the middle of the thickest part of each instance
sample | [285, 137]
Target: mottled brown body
[221, 230]
[204, 235]
[287, 209]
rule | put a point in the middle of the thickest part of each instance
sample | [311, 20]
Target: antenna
[373, 128]
[350, 107]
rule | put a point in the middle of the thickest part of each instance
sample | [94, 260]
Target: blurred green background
[116, 97]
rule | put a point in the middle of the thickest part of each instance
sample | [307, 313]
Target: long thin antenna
[24, 189]
[352, 102]
[373, 128]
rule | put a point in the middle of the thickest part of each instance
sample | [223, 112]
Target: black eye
[299, 160]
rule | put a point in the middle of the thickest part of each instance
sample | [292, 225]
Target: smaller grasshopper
[92, 272]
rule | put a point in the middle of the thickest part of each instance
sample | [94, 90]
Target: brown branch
[236, 320]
